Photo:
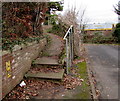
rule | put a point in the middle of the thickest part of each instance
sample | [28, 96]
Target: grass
[80, 92]
[85, 88]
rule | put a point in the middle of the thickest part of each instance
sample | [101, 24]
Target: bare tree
[71, 17]
[117, 8]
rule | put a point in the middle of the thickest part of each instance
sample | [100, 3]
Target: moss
[82, 69]
[62, 56]
[85, 88]
[83, 91]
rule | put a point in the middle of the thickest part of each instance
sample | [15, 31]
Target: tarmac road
[104, 63]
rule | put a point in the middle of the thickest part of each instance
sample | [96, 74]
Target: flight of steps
[56, 72]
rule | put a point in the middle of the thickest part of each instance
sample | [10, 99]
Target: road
[103, 60]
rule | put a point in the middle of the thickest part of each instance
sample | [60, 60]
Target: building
[103, 28]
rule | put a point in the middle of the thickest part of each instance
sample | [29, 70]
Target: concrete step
[46, 61]
[46, 75]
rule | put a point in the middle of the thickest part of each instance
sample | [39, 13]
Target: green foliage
[118, 25]
[116, 33]
[57, 29]
[57, 6]
[8, 44]
[82, 69]
[99, 39]
[33, 63]
[53, 19]
[53, 6]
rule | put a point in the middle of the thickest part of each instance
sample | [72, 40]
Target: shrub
[117, 33]
[99, 39]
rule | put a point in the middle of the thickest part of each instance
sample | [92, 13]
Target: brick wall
[17, 63]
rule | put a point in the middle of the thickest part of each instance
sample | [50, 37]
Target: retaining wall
[16, 64]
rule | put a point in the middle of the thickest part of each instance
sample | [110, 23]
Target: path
[52, 52]
[49, 57]
[47, 67]
[103, 59]
[56, 45]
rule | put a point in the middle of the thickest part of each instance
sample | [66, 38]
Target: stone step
[46, 61]
[46, 75]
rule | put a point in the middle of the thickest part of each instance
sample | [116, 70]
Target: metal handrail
[69, 47]
[67, 32]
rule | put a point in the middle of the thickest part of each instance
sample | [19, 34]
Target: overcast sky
[97, 11]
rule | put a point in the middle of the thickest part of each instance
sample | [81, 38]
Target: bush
[99, 39]
[117, 32]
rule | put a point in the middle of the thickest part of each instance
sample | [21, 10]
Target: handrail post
[69, 47]
[72, 44]
[67, 59]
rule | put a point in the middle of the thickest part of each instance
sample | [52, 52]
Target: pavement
[56, 45]
[103, 60]
[50, 55]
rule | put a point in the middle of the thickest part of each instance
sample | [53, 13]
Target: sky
[96, 11]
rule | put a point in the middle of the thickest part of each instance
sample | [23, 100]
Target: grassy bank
[85, 88]
[83, 91]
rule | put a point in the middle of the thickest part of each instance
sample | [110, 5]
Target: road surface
[104, 62]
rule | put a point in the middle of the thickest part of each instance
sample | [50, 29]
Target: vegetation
[98, 38]
[8, 44]
[116, 33]
[57, 27]
[49, 40]
[53, 6]
[22, 21]
[82, 69]
[117, 9]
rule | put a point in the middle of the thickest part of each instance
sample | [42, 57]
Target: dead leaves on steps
[33, 86]
[54, 69]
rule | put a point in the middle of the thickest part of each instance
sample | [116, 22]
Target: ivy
[8, 44]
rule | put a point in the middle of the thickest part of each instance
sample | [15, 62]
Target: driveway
[103, 60]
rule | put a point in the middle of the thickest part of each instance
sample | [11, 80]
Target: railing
[69, 48]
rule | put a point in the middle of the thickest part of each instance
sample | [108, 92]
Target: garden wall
[16, 64]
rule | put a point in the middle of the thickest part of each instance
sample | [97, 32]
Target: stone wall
[16, 64]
